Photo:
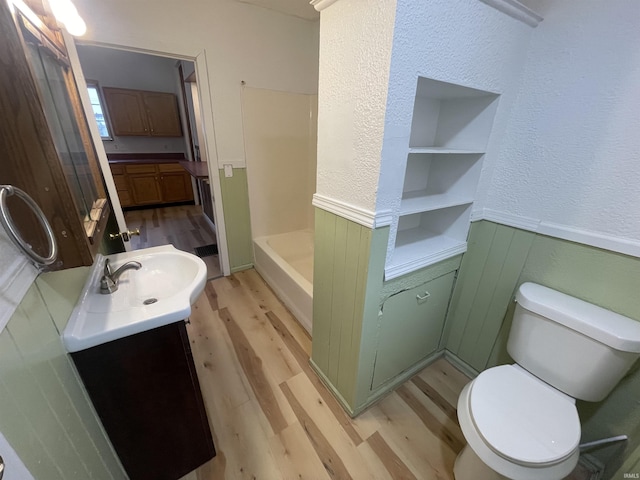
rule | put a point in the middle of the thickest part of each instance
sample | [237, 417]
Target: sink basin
[159, 293]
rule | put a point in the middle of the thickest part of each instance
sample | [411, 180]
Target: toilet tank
[579, 348]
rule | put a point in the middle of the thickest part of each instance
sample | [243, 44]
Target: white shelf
[414, 250]
[444, 150]
[450, 129]
[451, 116]
[422, 201]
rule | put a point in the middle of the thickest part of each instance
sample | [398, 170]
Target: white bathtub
[285, 261]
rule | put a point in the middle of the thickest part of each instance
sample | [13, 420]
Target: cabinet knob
[423, 298]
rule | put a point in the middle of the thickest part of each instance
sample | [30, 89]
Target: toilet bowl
[520, 421]
[517, 426]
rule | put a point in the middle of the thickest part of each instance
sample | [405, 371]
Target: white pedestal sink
[159, 293]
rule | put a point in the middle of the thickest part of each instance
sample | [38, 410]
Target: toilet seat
[522, 419]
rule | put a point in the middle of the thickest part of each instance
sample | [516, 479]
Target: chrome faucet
[109, 280]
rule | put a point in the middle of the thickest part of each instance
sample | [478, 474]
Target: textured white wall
[355, 54]
[571, 153]
[264, 48]
[122, 69]
[465, 42]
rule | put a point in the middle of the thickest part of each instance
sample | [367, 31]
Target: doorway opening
[147, 108]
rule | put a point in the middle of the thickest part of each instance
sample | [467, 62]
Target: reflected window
[99, 111]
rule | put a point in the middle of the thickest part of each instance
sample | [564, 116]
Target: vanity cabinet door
[411, 326]
[175, 183]
[146, 392]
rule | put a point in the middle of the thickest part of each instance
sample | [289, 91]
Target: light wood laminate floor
[272, 418]
[183, 226]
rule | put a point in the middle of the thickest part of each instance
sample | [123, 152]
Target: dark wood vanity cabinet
[146, 392]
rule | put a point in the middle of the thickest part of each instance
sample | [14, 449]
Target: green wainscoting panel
[45, 413]
[371, 315]
[60, 291]
[345, 301]
[323, 265]
[489, 272]
[235, 202]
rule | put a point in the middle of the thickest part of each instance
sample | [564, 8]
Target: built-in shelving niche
[449, 133]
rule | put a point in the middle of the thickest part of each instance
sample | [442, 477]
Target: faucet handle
[107, 268]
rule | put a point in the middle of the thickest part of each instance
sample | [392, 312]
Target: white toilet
[520, 421]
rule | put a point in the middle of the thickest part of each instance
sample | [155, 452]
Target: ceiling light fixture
[67, 14]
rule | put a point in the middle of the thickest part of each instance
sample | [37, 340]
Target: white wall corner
[515, 10]
[320, 5]
[358, 215]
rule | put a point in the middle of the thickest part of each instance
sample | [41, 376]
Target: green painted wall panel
[339, 320]
[341, 268]
[322, 290]
[478, 247]
[515, 258]
[235, 201]
[60, 291]
[374, 248]
[483, 296]
[44, 411]
[354, 283]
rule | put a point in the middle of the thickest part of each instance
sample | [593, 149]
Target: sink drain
[150, 301]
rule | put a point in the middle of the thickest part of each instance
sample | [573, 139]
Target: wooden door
[127, 111]
[162, 113]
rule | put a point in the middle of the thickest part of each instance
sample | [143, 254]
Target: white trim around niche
[359, 215]
[515, 10]
[622, 245]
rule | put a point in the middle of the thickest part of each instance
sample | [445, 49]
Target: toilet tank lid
[615, 330]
